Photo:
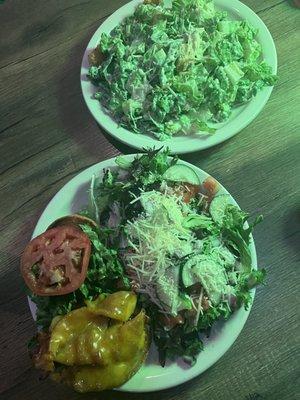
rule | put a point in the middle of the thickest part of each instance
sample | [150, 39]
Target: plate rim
[244, 314]
[180, 144]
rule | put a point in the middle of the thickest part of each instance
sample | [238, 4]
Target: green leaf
[236, 235]
[246, 282]
[197, 221]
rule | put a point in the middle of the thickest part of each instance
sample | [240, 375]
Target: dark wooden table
[48, 136]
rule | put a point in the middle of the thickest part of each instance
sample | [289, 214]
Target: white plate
[151, 377]
[241, 116]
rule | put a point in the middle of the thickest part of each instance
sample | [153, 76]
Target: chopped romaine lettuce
[168, 71]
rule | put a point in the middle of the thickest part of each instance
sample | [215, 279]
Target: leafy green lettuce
[169, 71]
[236, 235]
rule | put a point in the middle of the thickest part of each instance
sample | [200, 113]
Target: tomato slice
[56, 262]
[210, 187]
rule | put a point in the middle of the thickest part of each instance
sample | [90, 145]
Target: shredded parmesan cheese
[156, 237]
[199, 308]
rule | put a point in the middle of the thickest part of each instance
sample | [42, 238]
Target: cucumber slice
[182, 173]
[218, 205]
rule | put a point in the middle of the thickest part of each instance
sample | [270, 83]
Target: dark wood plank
[47, 136]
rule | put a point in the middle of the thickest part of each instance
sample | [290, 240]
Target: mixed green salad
[173, 240]
[175, 69]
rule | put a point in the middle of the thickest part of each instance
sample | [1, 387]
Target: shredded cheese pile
[156, 237]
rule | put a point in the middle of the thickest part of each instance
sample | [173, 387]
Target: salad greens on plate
[182, 247]
[176, 69]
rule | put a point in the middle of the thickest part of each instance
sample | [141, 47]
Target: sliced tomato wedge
[56, 262]
[209, 187]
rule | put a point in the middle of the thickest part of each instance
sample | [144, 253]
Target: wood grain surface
[48, 136]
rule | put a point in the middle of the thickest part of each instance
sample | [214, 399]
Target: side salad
[177, 68]
[181, 247]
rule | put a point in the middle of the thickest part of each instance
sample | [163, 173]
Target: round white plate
[240, 117]
[151, 377]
